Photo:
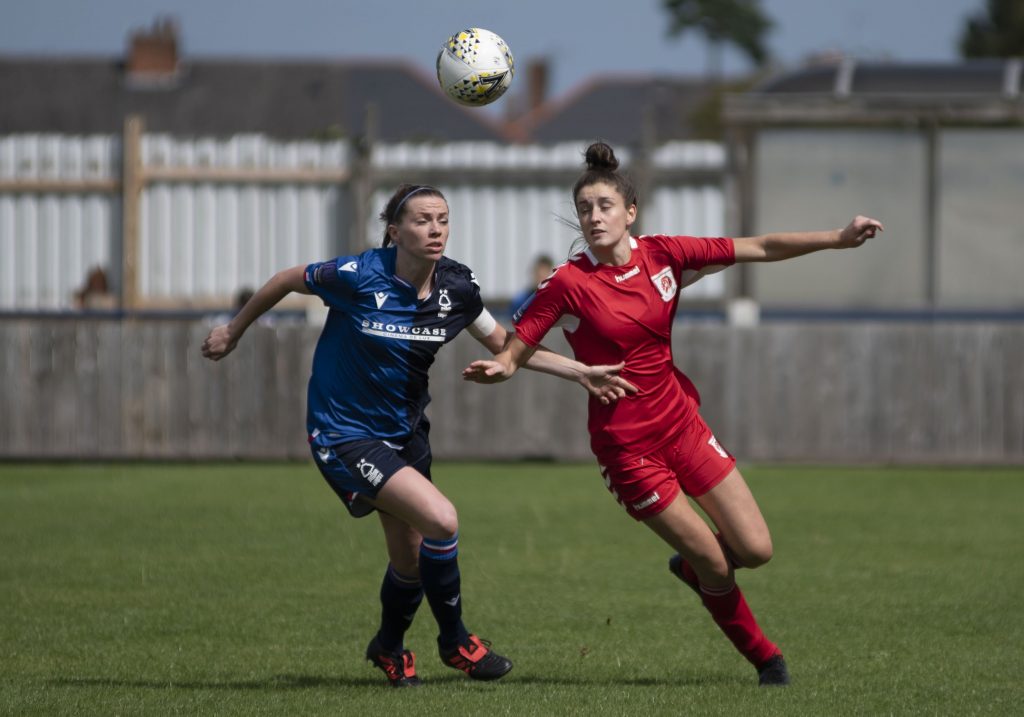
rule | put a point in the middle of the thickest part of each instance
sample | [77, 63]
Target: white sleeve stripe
[483, 326]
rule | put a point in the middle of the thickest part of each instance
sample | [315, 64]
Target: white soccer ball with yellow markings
[475, 67]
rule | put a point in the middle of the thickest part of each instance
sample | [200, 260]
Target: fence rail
[98, 389]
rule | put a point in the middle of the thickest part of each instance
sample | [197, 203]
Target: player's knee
[756, 554]
[443, 523]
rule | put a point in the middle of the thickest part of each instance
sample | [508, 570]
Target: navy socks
[400, 596]
[439, 571]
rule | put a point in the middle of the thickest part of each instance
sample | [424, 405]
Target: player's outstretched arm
[786, 245]
[505, 362]
[602, 382]
[223, 339]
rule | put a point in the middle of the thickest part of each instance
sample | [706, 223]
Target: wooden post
[131, 198]
[732, 191]
[643, 168]
[363, 183]
[746, 187]
[931, 214]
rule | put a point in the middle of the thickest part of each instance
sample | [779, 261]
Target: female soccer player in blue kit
[391, 310]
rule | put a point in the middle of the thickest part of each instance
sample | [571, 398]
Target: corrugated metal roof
[978, 77]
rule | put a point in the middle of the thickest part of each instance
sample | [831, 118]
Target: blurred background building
[160, 185]
[184, 183]
[185, 179]
[938, 150]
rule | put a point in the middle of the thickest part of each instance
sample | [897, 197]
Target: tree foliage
[738, 22]
[998, 31]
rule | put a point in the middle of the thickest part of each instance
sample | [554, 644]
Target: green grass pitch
[245, 589]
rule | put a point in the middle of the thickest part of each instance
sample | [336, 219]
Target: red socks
[730, 611]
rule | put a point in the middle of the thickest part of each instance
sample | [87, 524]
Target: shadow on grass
[301, 682]
[677, 681]
[277, 682]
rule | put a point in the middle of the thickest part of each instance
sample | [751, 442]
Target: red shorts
[695, 462]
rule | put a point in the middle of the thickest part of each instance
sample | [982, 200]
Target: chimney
[536, 83]
[153, 54]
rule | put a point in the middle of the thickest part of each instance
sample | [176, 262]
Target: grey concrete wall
[854, 392]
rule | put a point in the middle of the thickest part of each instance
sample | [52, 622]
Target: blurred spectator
[96, 294]
[241, 299]
[539, 271]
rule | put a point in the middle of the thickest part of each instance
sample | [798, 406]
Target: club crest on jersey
[445, 303]
[369, 471]
[665, 283]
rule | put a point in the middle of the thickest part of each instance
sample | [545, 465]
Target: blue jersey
[370, 366]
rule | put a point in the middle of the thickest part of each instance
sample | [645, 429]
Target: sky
[580, 40]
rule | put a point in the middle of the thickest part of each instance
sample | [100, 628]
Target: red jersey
[624, 313]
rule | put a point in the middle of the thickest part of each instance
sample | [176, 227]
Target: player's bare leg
[415, 501]
[683, 529]
[733, 510]
[403, 544]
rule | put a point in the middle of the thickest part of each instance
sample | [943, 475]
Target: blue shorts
[357, 469]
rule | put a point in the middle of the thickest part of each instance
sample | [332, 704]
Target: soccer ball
[475, 67]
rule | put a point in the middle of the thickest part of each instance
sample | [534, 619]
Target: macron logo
[381, 297]
[350, 266]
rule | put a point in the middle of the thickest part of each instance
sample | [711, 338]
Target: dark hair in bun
[601, 157]
[602, 166]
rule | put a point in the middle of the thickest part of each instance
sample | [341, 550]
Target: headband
[399, 207]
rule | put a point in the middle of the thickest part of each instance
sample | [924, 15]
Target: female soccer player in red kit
[616, 301]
